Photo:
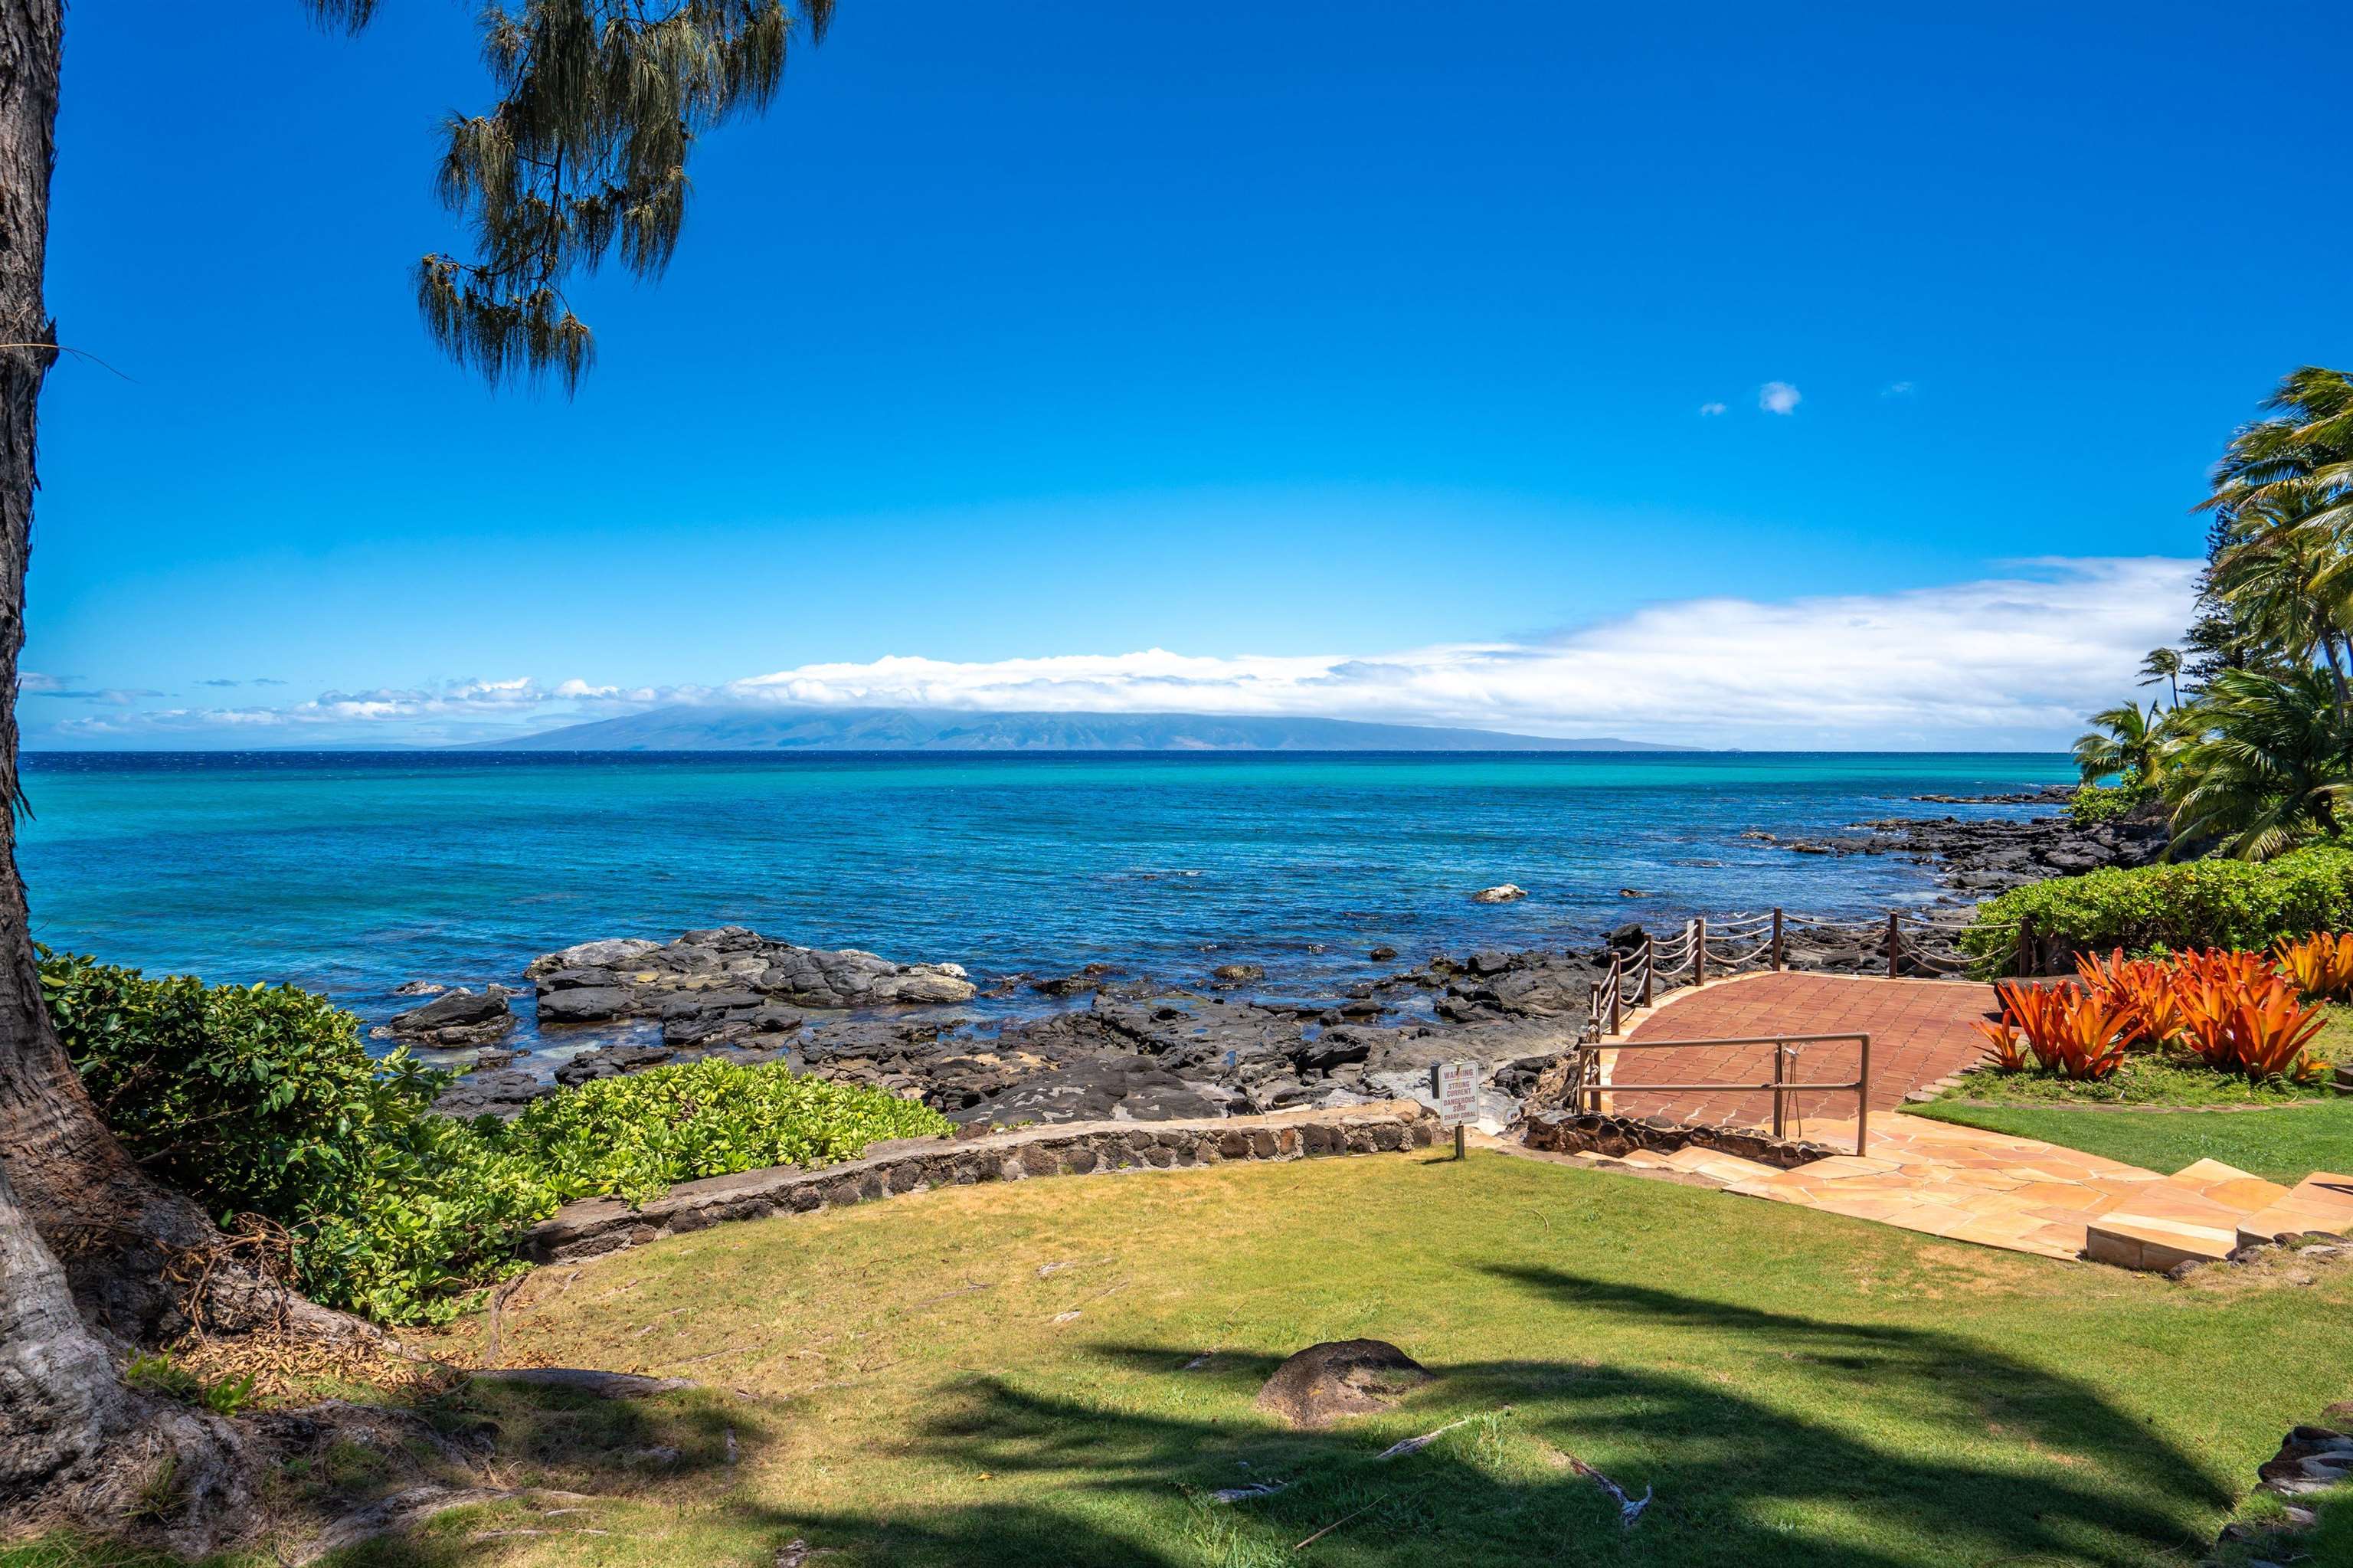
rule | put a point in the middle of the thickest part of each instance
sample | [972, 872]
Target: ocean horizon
[349, 873]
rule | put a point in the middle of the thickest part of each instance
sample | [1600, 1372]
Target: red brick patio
[1919, 1032]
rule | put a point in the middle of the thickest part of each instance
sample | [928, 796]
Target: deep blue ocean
[349, 873]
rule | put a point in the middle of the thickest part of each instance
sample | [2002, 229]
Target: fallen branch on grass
[1629, 1509]
[1416, 1445]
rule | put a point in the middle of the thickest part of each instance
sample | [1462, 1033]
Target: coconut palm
[2283, 498]
[2269, 768]
[2289, 584]
[2164, 665]
[2130, 742]
[2296, 465]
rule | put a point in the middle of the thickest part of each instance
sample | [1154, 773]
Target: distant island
[693, 728]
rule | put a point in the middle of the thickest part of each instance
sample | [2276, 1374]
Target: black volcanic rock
[455, 1018]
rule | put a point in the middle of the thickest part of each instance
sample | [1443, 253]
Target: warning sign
[1456, 1086]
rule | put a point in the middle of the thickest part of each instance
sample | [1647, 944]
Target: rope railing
[1920, 943]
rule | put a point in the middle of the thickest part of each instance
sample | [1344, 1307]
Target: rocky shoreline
[1980, 857]
[1101, 1045]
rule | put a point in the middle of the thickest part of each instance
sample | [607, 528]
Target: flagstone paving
[1960, 1182]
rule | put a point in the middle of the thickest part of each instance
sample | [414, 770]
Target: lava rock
[456, 1019]
[584, 1004]
[1324, 1382]
[1503, 893]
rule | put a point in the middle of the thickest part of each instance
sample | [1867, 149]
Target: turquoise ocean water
[351, 873]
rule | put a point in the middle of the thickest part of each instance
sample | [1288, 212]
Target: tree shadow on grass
[1902, 1447]
[1897, 1447]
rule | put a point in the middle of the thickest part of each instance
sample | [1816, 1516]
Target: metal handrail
[1590, 1088]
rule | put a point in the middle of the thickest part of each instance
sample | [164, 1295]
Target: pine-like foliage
[600, 104]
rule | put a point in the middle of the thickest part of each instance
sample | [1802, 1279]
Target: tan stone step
[2321, 1201]
[2228, 1186]
[1718, 1165]
[2192, 1216]
[1644, 1160]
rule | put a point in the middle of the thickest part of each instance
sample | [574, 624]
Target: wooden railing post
[1894, 943]
[1777, 939]
[2024, 958]
[1862, 1102]
[1699, 950]
[1649, 965]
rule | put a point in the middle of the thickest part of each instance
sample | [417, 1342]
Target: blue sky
[1297, 341]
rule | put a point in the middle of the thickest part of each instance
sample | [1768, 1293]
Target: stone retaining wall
[600, 1225]
[1569, 1132]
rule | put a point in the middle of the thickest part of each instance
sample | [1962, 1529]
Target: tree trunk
[75, 1445]
[118, 1233]
[59, 1401]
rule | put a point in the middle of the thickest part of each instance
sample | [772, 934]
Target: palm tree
[2130, 742]
[2164, 665]
[2270, 767]
[2296, 464]
[2288, 583]
[601, 103]
[2283, 497]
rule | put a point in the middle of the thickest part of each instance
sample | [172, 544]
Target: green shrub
[635, 1136]
[2190, 904]
[255, 1096]
[2096, 803]
[261, 1101]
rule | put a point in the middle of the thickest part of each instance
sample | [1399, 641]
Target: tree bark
[59, 1401]
[89, 1243]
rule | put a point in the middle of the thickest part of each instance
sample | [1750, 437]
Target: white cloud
[1779, 398]
[1897, 389]
[1710, 411]
[2010, 662]
[2015, 661]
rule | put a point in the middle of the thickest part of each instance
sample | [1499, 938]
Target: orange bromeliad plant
[2075, 1032]
[2003, 1043]
[2320, 965]
[2143, 988]
[2270, 1029]
[2236, 1010]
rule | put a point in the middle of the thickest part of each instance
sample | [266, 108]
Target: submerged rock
[1502, 893]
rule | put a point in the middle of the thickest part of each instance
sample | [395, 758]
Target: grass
[2335, 1040]
[1058, 1373]
[2284, 1144]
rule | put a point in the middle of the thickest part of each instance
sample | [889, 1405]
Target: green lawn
[2285, 1144]
[1057, 1373]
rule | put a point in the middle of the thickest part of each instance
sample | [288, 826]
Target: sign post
[1455, 1085]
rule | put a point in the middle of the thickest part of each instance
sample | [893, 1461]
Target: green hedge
[2095, 803]
[2191, 905]
[261, 1101]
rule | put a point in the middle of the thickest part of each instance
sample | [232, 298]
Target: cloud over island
[2014, 660]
